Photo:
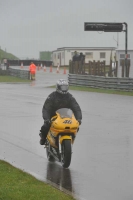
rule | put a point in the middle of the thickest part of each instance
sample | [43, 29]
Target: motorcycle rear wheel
[66, 152]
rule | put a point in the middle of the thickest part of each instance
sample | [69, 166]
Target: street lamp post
[110, 27]
[126, 55]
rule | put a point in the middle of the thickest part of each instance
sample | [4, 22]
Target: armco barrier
[19, 73]
[3, 72]
[101, 82]
[15, 72]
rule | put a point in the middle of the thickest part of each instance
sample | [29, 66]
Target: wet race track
[102, 159]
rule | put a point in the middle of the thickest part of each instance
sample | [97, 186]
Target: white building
[62, 55]
[121, 56]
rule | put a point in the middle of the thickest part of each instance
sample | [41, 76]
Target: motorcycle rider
[60, 98]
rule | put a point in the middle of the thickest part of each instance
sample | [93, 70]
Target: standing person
[82, 61]
[32, 70]
[60, 98]
[76, 56]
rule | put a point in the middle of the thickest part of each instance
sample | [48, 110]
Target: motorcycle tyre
[49, 156]
[66, 153]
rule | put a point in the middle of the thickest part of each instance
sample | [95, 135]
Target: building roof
[124, 50]
[84, 48]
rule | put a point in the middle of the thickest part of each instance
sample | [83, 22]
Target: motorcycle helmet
[62, 86]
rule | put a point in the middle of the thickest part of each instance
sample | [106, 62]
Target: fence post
[128, 67]
[70, 66]
[94, 68]
[79, 67]
[89, 67]
[73, 66]
[83, 67]
[104, 68]
[98, 67]
[76, 67]
[123, 65]
[116, 69]
[110, 69]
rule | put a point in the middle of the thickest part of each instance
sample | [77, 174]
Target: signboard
[102, 26]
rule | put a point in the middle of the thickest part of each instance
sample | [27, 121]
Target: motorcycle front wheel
[66, 152]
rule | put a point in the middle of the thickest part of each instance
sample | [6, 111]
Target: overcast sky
[31, 26]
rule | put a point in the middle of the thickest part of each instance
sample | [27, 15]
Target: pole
[127, 75]
[117, 40]
[64, 58]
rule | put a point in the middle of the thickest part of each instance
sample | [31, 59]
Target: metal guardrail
[101, 82]
[25, 74]
[3, 72]
[19, 73]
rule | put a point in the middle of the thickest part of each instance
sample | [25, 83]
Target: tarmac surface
[102, 159]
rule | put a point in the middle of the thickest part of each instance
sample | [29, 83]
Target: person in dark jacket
[76, 56]
[60, 98]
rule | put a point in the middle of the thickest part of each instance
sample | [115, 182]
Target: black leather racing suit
[54, 102]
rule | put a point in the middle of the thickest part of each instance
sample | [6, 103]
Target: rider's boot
[42, 139]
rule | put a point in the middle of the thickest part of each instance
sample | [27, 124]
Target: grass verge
[128, 93]
[12, 79]
[18, 185]
[87, 89]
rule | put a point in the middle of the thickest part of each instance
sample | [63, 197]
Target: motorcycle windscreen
[65, 112]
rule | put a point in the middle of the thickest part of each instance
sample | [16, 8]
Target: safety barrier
[3, 72]
[101, 82]
[19, 73]
[24, 72]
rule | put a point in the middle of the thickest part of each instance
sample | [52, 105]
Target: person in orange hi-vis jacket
[32, 69]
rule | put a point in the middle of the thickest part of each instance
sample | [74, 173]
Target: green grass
[12, 79]
[87, 89]
[18, 185]
[4, 54]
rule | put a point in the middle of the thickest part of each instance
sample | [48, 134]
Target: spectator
[76, 56]
[32, 70]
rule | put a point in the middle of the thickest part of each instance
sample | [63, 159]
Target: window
[55, 56]
[102, 54]
[122, 56]
[89, 55]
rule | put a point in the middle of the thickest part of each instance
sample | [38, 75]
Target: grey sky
[31, 26]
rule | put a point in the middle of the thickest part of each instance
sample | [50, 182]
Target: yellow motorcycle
[61, 135]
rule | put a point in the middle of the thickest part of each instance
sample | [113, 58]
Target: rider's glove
[79, 121]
